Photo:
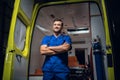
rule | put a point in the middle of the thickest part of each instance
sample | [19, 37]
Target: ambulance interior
[84, 23]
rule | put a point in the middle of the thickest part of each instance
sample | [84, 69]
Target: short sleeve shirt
[57, 62]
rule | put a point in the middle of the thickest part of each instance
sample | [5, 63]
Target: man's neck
[57, 34]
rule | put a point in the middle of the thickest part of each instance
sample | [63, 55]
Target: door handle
[12, 51]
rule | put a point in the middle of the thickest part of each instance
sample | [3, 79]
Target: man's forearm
[46, 51]
[62, 48]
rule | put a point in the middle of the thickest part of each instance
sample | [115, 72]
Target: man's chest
[56, 41]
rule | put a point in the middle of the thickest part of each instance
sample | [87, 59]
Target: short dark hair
[57, 19]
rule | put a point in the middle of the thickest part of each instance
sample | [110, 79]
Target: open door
[17, 50]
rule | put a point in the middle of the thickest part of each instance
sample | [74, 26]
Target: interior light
[82, 30]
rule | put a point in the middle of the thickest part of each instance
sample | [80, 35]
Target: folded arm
[59, 49]
[44, 50]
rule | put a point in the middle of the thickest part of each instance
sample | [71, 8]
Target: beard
[57, 31]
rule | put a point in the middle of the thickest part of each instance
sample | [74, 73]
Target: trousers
[55, 75]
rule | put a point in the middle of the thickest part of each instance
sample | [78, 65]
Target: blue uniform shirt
[57, 62]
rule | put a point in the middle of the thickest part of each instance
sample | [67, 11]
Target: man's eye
[58, 24]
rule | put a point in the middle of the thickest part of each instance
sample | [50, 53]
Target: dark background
[6, 8]
[113, 9]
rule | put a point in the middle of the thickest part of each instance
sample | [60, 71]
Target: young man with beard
[55, 47]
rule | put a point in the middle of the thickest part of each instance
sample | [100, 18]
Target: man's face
[57, 26]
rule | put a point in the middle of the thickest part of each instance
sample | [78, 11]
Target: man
[55, 47]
